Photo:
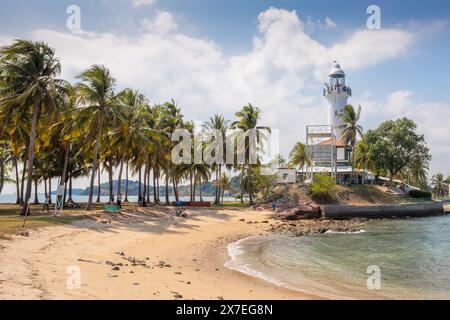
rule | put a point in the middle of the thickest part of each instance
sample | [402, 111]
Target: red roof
[339, 143]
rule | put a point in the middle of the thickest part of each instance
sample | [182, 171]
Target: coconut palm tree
[299, 156]
[351, 130]
[248, 119]
[28, 72]
[100, 108]
[217, 124]
[362, 157]
[225, 184]
[440, 189]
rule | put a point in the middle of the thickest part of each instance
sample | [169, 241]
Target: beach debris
[135, 284]
[188, 283]
[179, 273]
[116, 269]
[242, 220]
[178, 296]
[109, 263]
[220, 298]
[135, 262]
[88, 261]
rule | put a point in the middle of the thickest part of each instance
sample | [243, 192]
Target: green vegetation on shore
[12, 223]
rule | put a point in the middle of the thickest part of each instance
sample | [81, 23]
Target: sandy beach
[137, 255]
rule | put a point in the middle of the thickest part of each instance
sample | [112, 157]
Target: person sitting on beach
[181, 214]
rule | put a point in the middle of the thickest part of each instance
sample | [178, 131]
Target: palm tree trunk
[216, 201]
[66, 163]
[50, 190]
[157, 188]
[34, 122]
[22, 187]
[195, 189]
[70, 190]
[16, 168]
[242, 185]
[140, 182]
[154, 187]
[2, 173]
[145, 186]
[250, 184]
[175, 191]
[99, 190]
[167, 189]
[65, 194]
[95, 163]
[36, 199]
[148, 183]
[110, 178]
[126, 183]
[201, 194]
[119, 186]
[45, 188]
[190, 186]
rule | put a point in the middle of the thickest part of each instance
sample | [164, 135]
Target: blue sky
[217, 55]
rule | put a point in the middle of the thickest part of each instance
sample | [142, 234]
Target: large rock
[303, 211]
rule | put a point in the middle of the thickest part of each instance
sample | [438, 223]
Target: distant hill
[133, 188]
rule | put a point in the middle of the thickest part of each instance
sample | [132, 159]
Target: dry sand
[176, 258]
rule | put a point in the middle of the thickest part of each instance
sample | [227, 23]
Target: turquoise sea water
[413, 257]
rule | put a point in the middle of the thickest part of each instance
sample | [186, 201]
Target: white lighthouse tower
[337, 94]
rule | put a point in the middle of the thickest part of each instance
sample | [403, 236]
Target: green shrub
[419, 194]
[323, 188]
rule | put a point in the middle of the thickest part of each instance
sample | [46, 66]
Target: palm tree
[248, 119]
[28, 81]
[440, 189]
[100, 105]
[362, 157]
[351, 130]
[217, 124]
[225, 184]
[299, 156]
[417, 172]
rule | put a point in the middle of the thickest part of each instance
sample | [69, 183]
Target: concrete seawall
[428, 209]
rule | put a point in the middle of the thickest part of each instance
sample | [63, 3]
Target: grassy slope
[370, 195]
[11, 222]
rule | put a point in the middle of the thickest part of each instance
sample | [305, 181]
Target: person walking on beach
[274, 205]
[46, 203]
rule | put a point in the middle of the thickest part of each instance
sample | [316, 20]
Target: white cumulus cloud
[141, 3]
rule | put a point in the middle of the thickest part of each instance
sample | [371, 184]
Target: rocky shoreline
[319, 226]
